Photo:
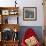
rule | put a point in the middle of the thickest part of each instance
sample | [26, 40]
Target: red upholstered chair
[28, 34]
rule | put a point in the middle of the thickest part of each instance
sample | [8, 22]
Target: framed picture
[30, 13]
[5, 12]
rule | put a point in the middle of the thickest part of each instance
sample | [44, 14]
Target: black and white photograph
[29, 13]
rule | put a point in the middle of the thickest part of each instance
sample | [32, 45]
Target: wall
[34, 3]
[27, 3]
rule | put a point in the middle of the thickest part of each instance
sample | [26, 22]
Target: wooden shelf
[9, 10]
[4, 8]
[9, 43]
[10, 26]
[4, 12]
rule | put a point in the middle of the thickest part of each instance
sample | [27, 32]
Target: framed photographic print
[5, 12]
[30, 13]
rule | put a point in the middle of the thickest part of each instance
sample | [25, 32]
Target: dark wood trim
[35, 14]
[5, 8]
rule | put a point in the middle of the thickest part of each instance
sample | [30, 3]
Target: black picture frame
[29, 13]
